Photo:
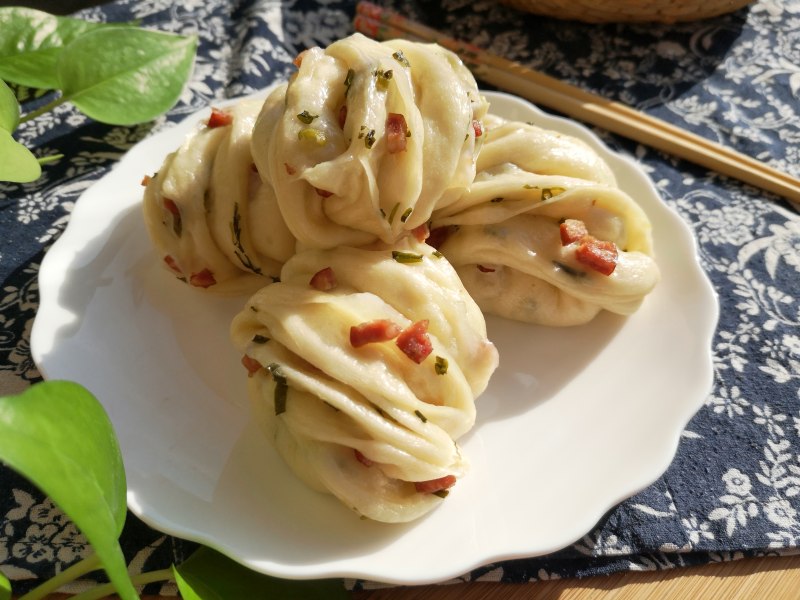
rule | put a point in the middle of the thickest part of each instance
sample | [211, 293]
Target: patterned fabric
[733, 489]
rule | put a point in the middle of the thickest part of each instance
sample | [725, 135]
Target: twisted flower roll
[214, 221]
[364, 366]
[370, 137]
[551, 248]
[540, 150]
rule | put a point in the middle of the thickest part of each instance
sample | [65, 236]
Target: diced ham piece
[421, 232]
[219, 118]
[438, 236]
[483, 269]
[146, 180]
[290, 170]
[415, 342]
[572, 230]
[323, 193]
[172, 208]
[342, 115]
[435, 485]
[203, 279]
[380, 330]
[298, 60]
[173, 264]
[251, 364]
[477, 128]
[597, 255]
[363, 459]
[396, 133]
[323, 280]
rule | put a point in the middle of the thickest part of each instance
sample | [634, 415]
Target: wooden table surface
[771, 578]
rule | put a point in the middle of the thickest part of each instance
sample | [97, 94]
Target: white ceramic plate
[574, 420]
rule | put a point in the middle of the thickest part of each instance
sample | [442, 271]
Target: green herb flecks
[369, 139]
[260, 339]
[393, 212]
[441, 493]
[348, 81]
[281, 387]
[406, 257]
[382, 79]
[406, 214]
[437, 254]
[547, 192]
[401, 58]
[306, 117]
[440, 365]
[420, 416]
[312, 135]
[236, 238]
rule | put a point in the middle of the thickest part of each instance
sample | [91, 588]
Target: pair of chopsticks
[382, 24]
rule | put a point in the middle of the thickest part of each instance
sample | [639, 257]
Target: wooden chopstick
[574, 102]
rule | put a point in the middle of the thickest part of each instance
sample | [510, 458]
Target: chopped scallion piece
[369, 139]
[281, 387]
[312, 135]
[348, 80]
[306, 117]
[383, 78]
[260, 339]
[401, 58]
[406, 214]
[406, 257]
[393, 212]
[422, 417]
[548, 193]
[440, 366]
[281, 390]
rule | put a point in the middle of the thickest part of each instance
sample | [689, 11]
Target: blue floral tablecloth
[733, 490]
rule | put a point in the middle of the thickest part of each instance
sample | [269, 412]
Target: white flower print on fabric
[739, 503]
[729, 402]
[697, 530]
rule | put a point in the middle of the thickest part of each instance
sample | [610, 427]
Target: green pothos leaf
[5, 588]
[141, 77]
[9, 108]
[31, 41]
[17, 163]
[57, 435]
[208, 575]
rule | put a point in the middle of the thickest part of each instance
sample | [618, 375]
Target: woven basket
[617, 11]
